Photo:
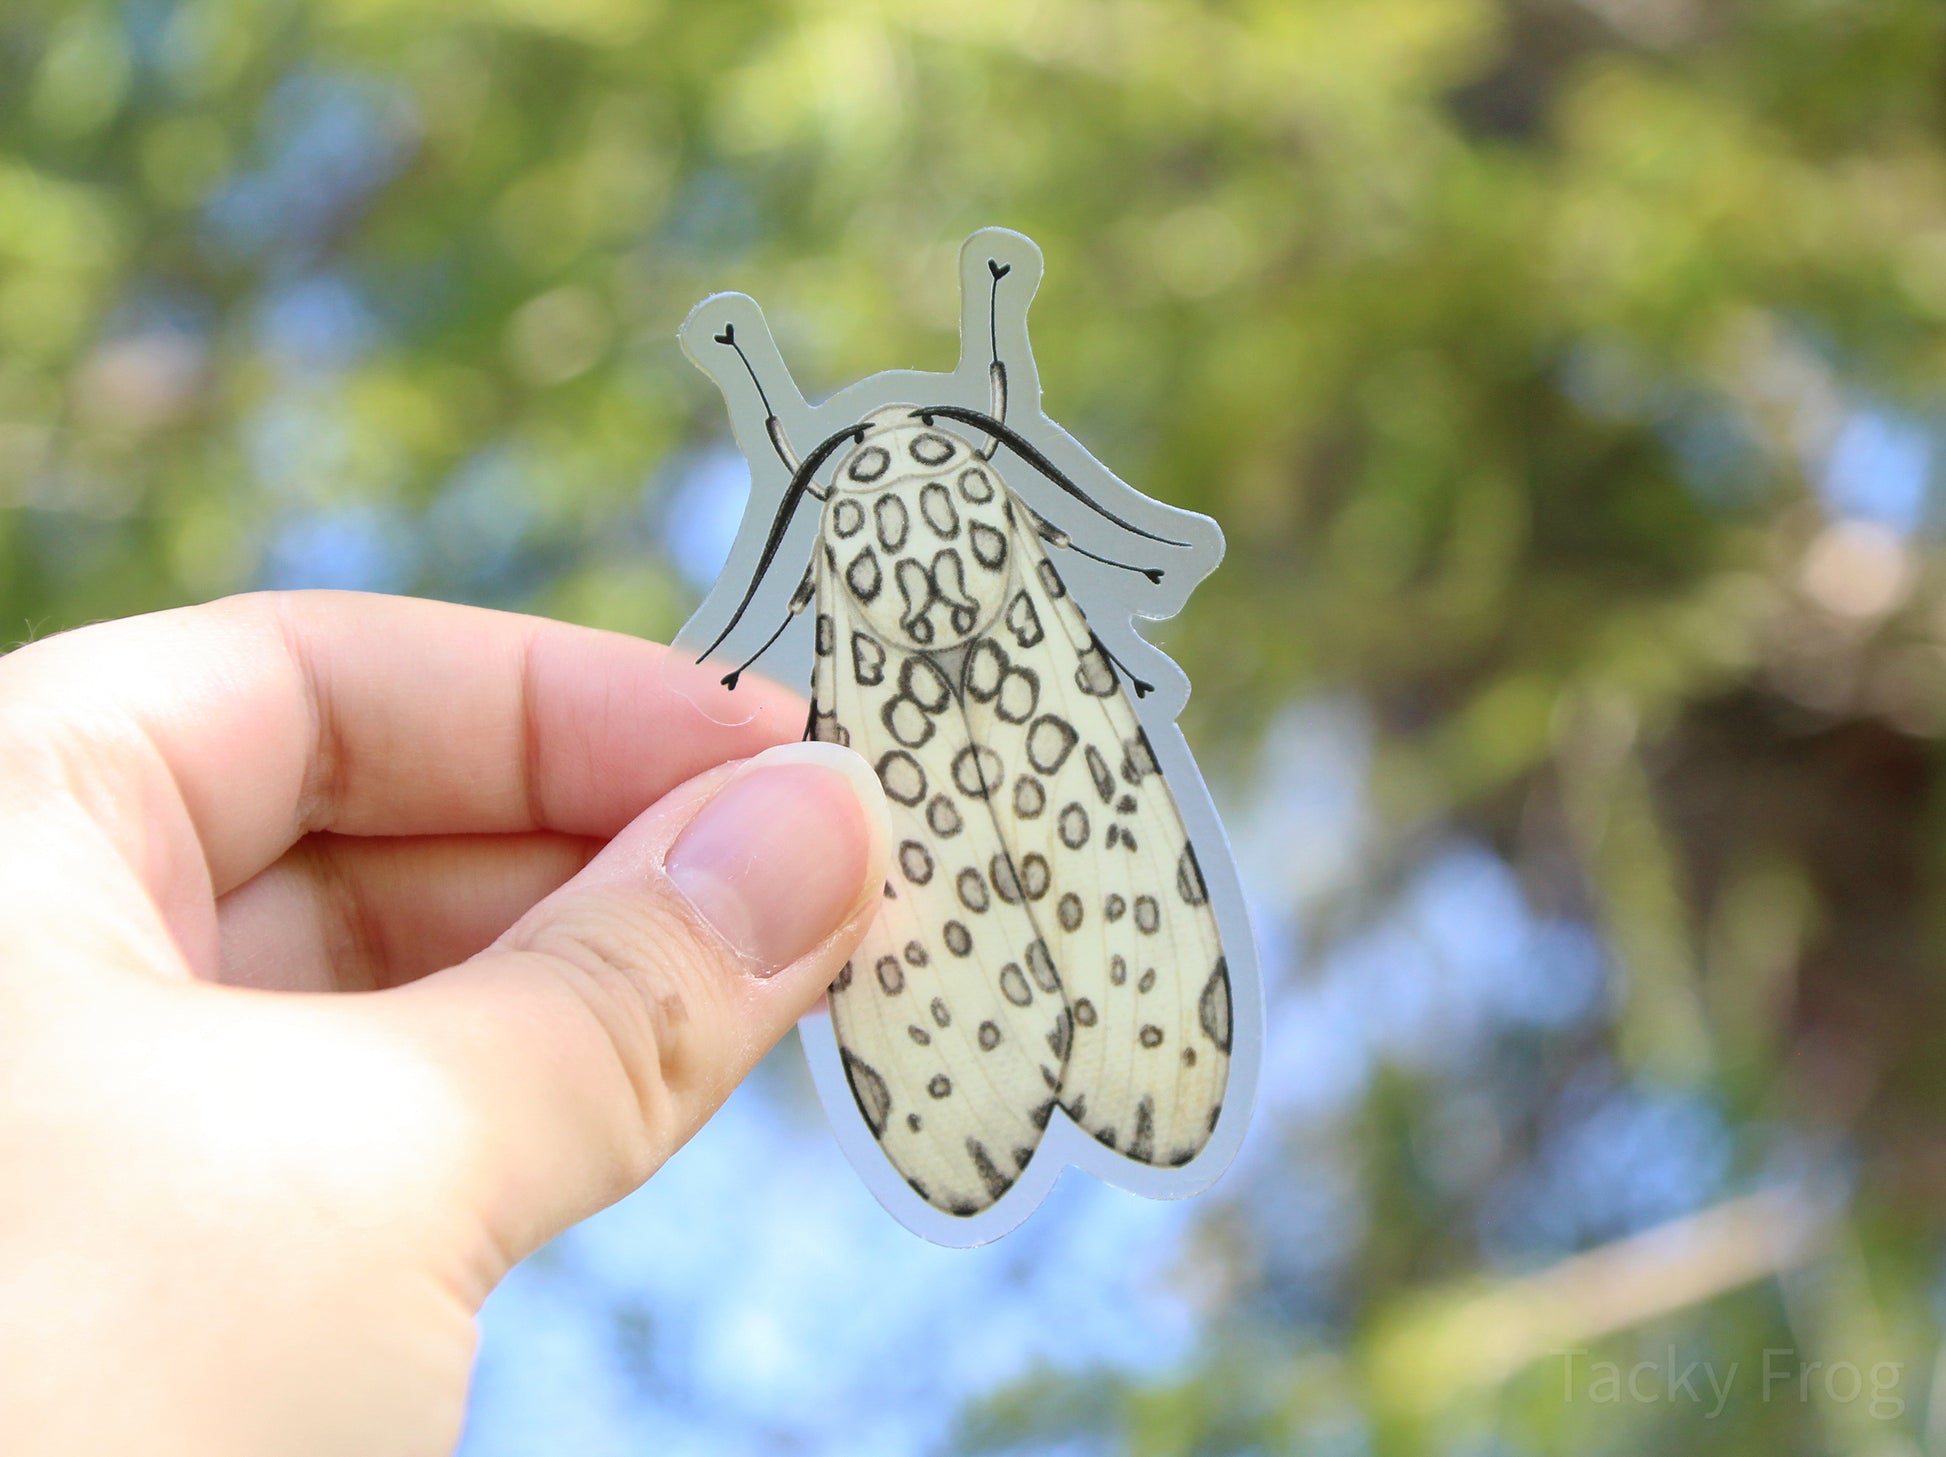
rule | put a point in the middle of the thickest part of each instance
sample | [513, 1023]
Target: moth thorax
[926, 559]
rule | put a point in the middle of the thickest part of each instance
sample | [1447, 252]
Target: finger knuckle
[639, 976]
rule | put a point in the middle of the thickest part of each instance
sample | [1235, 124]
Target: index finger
[273, 715]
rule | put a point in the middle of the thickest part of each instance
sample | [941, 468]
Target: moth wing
[947, 1015]
[1089, 816]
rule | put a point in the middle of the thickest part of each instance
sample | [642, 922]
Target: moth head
[894, 447]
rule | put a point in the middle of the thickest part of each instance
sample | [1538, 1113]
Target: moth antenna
[773, 427]
[1028, 452]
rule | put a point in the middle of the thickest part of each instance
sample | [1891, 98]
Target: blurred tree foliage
[1566, 373]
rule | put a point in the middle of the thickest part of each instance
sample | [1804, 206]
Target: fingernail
[778, 860]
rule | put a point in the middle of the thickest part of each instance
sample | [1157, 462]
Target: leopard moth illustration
[1061, 972]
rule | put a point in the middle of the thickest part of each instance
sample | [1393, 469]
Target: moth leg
[996, 371]
[800, 599]
[1054, 536]
[1143, 688]
[773, 427]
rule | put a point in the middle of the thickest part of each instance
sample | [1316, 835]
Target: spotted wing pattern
[949, 1016]
[1112, 877]
[1046, 937]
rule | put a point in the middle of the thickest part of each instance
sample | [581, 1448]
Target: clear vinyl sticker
[1061, 972]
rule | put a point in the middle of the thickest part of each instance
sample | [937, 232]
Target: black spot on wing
[1024, 620]
[1030, 797]
[1020, 694]
[874, 1098]
[1035, 877]
[943, 816]
[1061, 1039]
[1141, 1147]
[1013, 985]
[847, 516]
[975, 486]
[922, 682]
[1098, 771]
[891, 976]
[902, 777]
[1213, 1006]
[1049, 742]
[867, 659]
[915, 862]
[996, 1182]
[1006, 880]
[972, 889]
[1189, 878]
[1074, 827]
[907, 722]
[986, 669]
[976, 770]
[1094, 674]
[1042, 967]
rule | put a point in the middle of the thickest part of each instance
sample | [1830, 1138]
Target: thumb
[590, 1041]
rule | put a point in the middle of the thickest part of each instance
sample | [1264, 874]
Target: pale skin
[350, 948]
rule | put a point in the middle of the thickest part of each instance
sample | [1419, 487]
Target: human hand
[240, 1216]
